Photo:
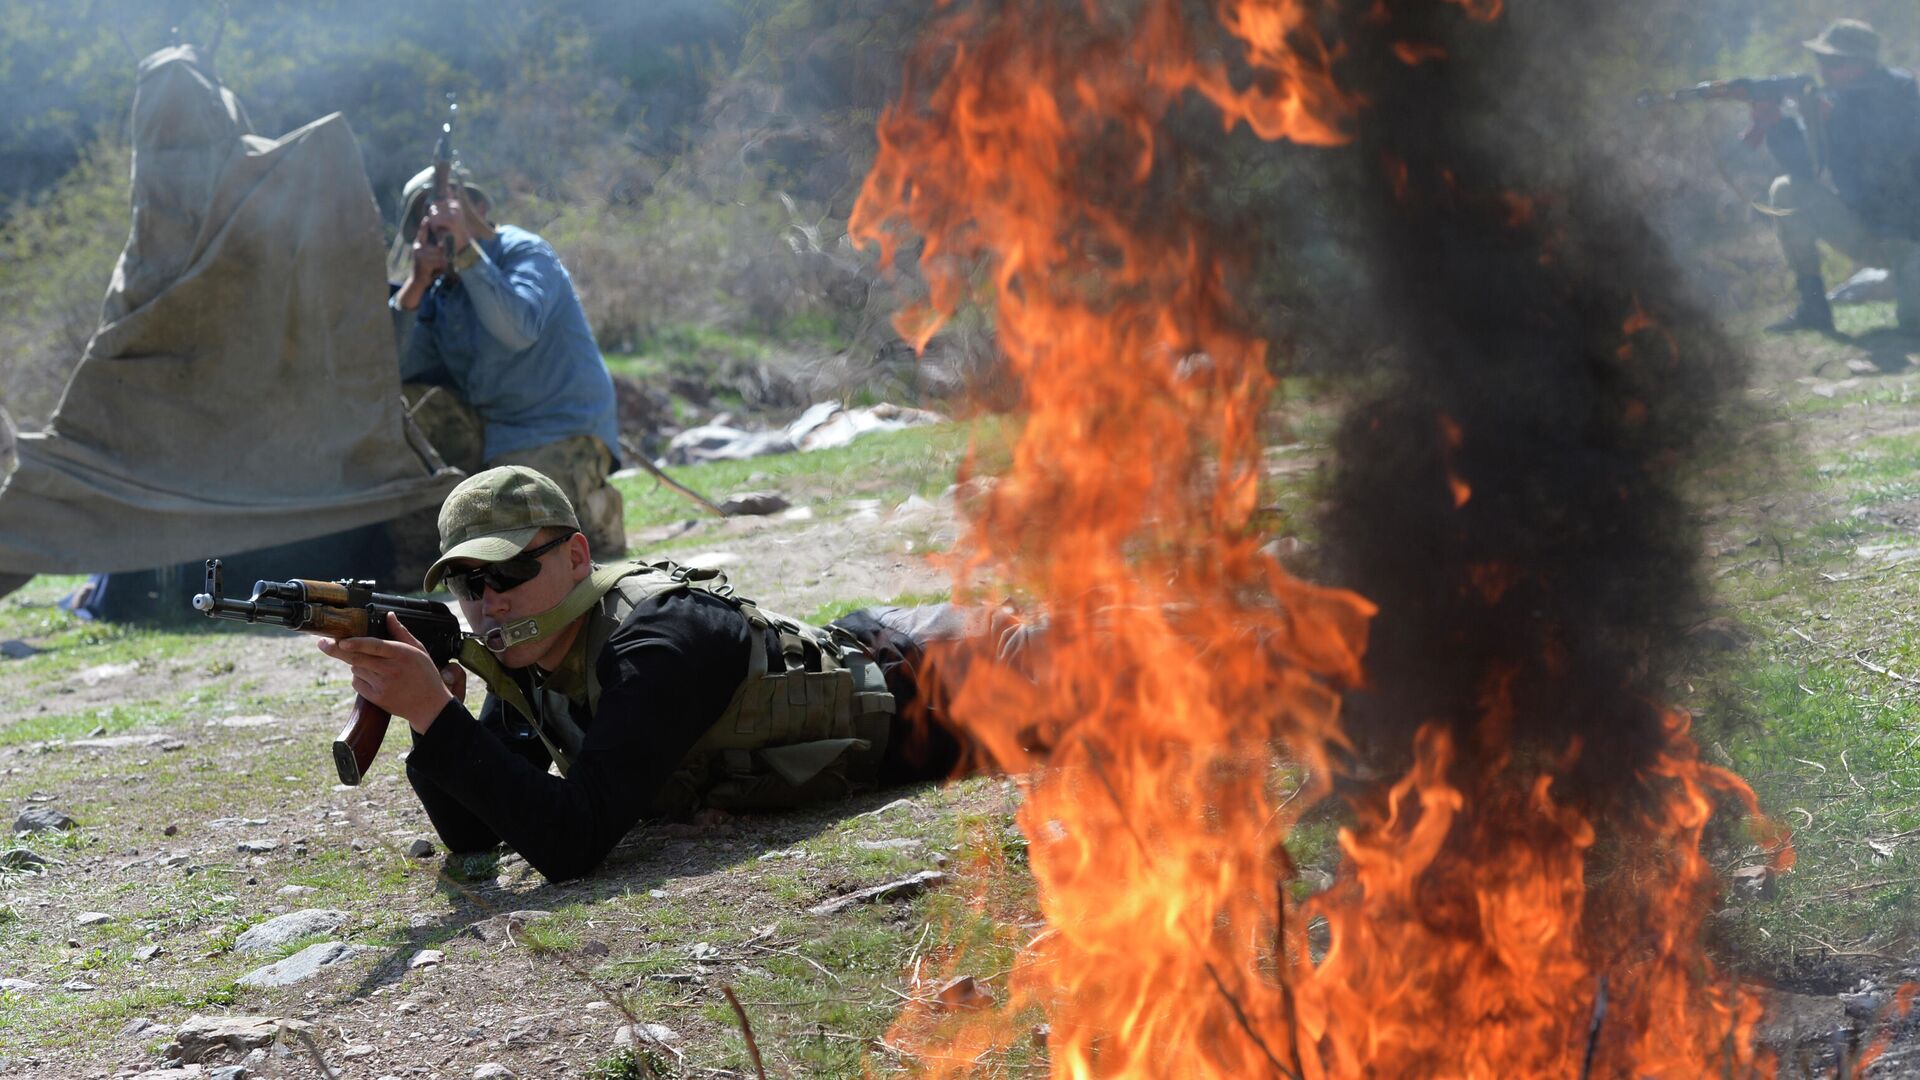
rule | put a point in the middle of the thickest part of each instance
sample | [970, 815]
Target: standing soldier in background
[1867, 127]
[500, 365]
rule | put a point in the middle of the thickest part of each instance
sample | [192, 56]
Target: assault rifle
[340, 609]
[442, 189]
[1774, 88]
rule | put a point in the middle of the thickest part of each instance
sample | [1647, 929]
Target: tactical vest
[814, 729]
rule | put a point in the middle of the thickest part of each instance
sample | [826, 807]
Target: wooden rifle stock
[354, 748]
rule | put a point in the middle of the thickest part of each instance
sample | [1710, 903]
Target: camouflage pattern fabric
[580, 466]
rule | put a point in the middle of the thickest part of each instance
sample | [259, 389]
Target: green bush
[57, 253]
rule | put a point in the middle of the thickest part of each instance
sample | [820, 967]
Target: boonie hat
[1849, 39]
[494, 515]
[413, 205]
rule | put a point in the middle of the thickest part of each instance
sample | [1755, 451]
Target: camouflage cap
[494, 515]
[1848, 39]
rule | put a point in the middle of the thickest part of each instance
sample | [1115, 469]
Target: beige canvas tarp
[242, 389]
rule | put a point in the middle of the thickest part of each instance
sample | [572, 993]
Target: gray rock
[898, 844]
[92, 918]
[274, 933]
[257, 847]
[41, 819]
[15, 649]
[24, 861]
[492, 1071]
[228, 1072]
[420, 849]
[426, 958]
[753, 503]
[199, 1035]
[301, 966]
[18, 986]
[146, 952]
[627, 1036]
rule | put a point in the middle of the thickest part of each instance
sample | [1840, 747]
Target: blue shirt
[510, 338]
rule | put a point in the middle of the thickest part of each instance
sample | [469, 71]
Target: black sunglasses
[503, 575]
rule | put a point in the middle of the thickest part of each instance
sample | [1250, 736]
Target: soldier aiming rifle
[1849, 151]
[499, 363]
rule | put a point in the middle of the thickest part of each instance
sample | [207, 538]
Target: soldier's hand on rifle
[453, 218]
[429, 262]
[398, 675]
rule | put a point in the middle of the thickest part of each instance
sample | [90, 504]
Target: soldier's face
[561, 568]
[1840, 72]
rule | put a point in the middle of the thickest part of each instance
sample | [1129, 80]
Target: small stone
[146, 952]
[293, 890]
[964, 992]
[171, 830]
[426, 958]
[492, 1071]
[626, 1036]
[599, 1006]
[23, 860]
[78, 986]
[753, 503]
[92, 918]
[901, 843]
[256, 847]
[595, 947]
[18, 986]
[228, 1072]
[420, 849]
[41, 819]
[359, 1050]
[1754, 882]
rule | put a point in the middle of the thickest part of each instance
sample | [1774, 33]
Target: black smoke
[1510, 496]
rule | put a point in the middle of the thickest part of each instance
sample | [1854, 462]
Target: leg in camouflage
[580, 466]
[454, 431]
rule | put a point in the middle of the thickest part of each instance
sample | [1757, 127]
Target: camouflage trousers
[579, 465]
[1807, 213]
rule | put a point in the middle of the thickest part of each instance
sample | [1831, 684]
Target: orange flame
[1186, 708]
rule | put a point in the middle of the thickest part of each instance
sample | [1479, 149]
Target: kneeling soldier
[653, 689]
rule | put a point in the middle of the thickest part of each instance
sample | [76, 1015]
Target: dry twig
[746, 1029]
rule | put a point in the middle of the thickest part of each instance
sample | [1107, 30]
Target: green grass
[888, 466]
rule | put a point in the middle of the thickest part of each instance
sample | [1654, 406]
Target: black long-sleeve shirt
[666, 674]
